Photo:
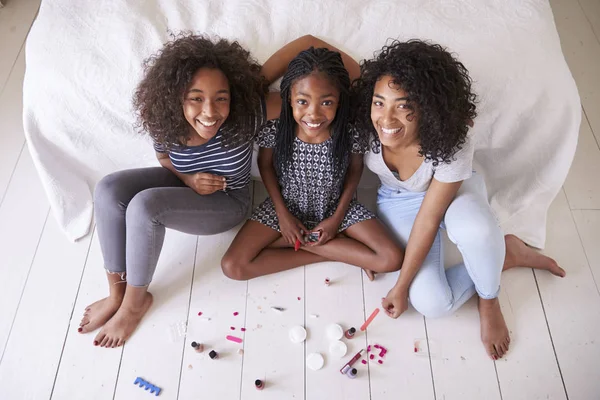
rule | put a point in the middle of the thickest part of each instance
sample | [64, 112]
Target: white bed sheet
[84, 61]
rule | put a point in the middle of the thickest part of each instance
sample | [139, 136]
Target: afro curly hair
[439, 93]
[158, 99]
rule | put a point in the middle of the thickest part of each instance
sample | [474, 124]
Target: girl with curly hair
[201, 101]
[416, 101]
[311, 161]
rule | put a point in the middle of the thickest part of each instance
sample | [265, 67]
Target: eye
[302, 102]
[196, 99]
[377, 103]
[327, 103]
[403, 106]
[222, 99]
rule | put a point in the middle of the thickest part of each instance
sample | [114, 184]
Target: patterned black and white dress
[308, 186]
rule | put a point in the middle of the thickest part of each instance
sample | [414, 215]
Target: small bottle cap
[258, 382]
[213, 354]
[352, 330]
[194, 344]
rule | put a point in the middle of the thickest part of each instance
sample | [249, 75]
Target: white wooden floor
[45, 282]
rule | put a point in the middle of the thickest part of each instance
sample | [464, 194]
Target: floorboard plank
[269, 354]
[151, 353]
[217, 298]
[403, 371]
[339, 303]
[87, 371]
[23, 214]
[16, 18]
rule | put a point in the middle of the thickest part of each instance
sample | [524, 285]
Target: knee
[470, 220]
[142, 207]
[430, 305]
[391, 259]
[107, 191]
[233, 267]
[480, 232]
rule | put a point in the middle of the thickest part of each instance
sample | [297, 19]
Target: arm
[202, 183]
[426, 225]
[330, 226]
[291, 228]
[277, 64]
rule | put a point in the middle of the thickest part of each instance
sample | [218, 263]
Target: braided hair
[329, 63]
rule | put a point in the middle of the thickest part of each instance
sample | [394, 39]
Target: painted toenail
[79, 329]
[95, 343]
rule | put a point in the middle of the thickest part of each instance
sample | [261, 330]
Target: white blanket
[84, 61]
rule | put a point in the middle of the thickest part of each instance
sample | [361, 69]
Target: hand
[205, 183]
[327, 229]
[396, 302]
[291, 228]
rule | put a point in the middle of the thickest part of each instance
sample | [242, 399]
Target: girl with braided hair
[310, 161]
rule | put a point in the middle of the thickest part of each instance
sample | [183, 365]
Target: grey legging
[133, 208]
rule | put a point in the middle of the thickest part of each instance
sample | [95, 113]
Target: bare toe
[99, 338]
[519, 254]
[97, 314]
[120, 327]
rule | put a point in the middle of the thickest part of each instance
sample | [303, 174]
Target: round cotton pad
[297, 334]
[315, 361]
[334, 332]
[338, 349]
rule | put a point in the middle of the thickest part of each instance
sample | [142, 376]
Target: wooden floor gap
[550, 334]
[187, 318]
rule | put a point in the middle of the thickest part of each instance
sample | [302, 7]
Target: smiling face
[206, 104]
[314, 100]
[394, 119]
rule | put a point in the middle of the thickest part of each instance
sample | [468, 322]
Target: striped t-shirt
[214, 158]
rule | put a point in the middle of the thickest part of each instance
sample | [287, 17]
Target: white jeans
[471, 225]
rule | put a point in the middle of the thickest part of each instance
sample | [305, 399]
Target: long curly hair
[439, 93]
[310, 61]
[158, 99]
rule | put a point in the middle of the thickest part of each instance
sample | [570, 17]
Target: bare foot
[518, 254]
[494, 333]
[97, 314]
[120, 327]
[370, 274]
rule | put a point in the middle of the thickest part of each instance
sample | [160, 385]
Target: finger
[211, 177]
[291, 239]
[302, 228]
[387, 305]
[299, 236]
[211, 183]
